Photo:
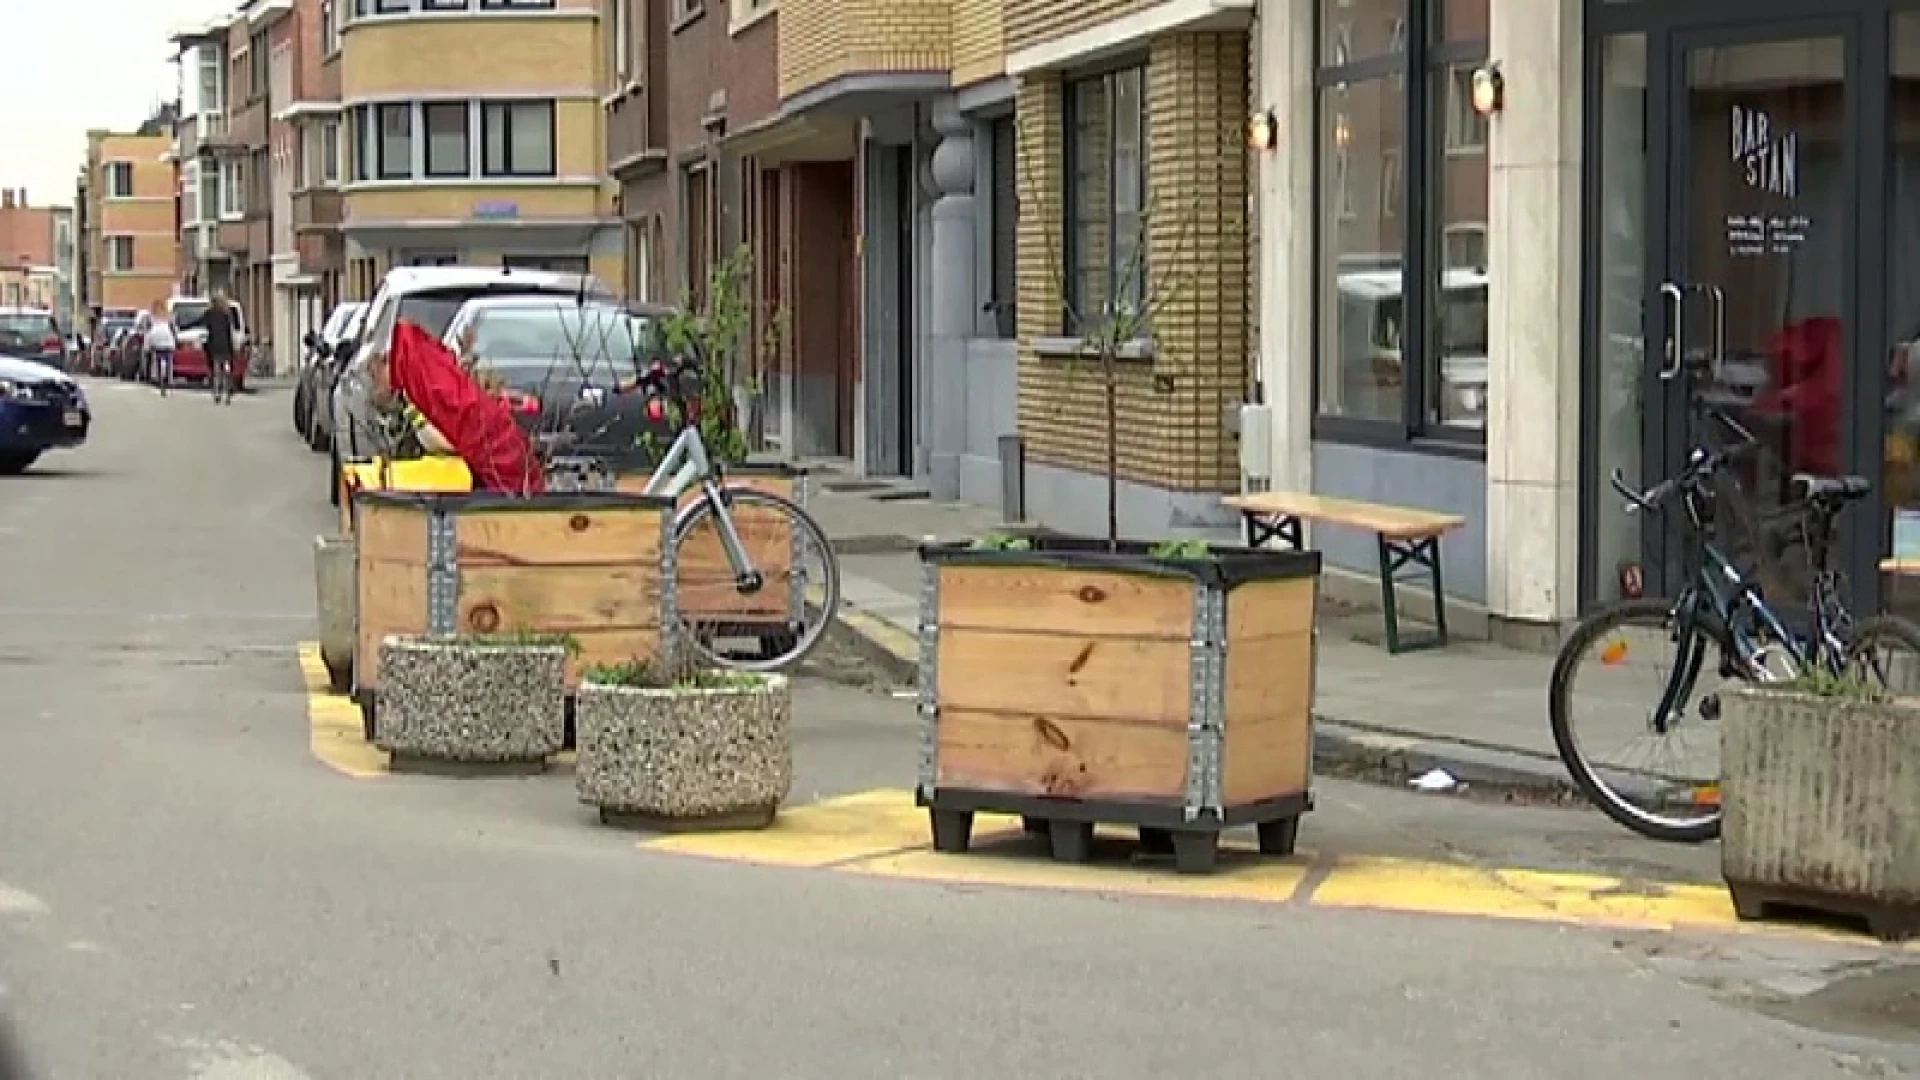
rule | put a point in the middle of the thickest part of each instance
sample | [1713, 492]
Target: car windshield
[532, 343]
[26, 328]
[189, 314]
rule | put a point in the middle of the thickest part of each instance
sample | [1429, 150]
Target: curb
[1382, 757]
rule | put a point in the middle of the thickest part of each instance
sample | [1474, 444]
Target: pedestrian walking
[219, 348]
[161, 342]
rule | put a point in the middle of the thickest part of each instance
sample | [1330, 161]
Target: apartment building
[129, 235]
[315, 203]
[475, 134]
[29, 258]
[204, 159]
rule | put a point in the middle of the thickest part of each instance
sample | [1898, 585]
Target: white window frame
[331, 153]
[233, 190]
[110, 172]
[115, 264]
[332, 14]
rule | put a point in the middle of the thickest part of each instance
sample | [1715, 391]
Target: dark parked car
[32, 334]
[41, 409]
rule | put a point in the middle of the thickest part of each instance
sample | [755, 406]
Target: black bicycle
[1720, 611]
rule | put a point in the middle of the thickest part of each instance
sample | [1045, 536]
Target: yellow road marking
[883, 834]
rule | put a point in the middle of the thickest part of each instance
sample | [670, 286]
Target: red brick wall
[26, 233]
[702, 57]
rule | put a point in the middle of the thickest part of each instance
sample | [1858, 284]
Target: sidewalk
[1473, 709]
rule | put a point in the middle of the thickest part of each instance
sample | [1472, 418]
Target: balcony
[248, 127]
[636, 124]
[906, 43]
[259, 237]
[321, 253]
[231, 238]
[212, 136]
[318, 210]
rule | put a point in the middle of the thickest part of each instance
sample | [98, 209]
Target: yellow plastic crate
[443, 473]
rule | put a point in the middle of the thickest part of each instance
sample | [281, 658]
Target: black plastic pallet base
[1068, 824]
[1886, 921]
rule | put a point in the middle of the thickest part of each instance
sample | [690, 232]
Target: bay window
[1401, 315]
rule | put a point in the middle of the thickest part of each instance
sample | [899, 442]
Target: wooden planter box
[703, 579]
[1822, 804]
[586, 565]
[1072, 686]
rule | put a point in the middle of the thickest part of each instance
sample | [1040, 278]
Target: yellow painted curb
[883, 834]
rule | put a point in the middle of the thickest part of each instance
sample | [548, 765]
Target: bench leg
[1395, 556]
[1262, 528]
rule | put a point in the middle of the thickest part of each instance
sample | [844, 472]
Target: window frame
[112, 171]
[116, 265]
[465, 111]
[1423, 152]
[381, 166]
[330, 171]
[1069, 186]
[1003, 225]
[504, 108]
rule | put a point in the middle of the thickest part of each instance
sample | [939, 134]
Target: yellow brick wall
[822, 40]
[1199, 271]
[426, 202]
[1030, 22]
[469, 55]
[979, 41]
[150, 215]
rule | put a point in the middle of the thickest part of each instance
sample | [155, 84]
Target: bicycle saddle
[1831, 488]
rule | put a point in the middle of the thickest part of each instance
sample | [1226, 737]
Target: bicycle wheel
[1885, 650]
[770, 624]
[1676, 801]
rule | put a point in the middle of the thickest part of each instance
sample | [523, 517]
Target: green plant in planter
[999, 541]
[640, 675]
[1840, 686]
[1181, 549]
[716, 326]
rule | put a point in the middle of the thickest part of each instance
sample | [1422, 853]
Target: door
[1753, 312]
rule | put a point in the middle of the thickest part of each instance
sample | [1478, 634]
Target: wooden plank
[1061, 675]
[1265, 608]
[558, 536]
[560, 599]
[1048, 600]
[1268, 749]
[1902, 567]
[393, 600]
[392, 533]
[1026, 753]
[1394, 522]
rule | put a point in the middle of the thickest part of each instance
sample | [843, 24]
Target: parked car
[339, 354]
[430, 297]
[32, 334]
[559, 358]
[41, 409]
[189, 355]
[314, 375]
[106, 333]
[130, 348]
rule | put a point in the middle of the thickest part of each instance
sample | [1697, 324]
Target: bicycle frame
[685, 465]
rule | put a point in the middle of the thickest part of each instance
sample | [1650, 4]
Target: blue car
[41, 407]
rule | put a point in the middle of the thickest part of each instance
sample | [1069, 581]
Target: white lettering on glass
[1768, 162]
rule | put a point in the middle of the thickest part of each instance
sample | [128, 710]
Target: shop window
[447, 138]
[1402, 295]
[516, 138]
[1106, 197]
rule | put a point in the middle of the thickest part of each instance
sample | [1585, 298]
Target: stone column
[952, 299]
[1533, 421]
[1285, 278]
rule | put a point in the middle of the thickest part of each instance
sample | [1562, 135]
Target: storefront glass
[1900, 480]
[1620, 311]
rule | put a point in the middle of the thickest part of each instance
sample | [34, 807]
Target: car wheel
[302, 410]
[15, 462]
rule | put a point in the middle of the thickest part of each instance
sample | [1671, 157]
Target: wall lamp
[1262, 131]
[1489, 89]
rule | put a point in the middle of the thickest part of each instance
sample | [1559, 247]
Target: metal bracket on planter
[443, 572]
[929, 673]
[669, 581]
[1207, 677]
[796, 554]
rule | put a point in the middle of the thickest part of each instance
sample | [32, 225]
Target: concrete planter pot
[685, 758]
[459, 705]
[1822, 805]
[335, 596]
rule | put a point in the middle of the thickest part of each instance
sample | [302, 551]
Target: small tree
[717, 328]
[1125, 319]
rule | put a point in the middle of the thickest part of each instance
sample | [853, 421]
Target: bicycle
[1722, 609]
[724, 556]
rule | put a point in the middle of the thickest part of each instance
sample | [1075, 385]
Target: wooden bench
[1405, 537]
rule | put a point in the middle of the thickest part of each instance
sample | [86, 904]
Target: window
[517, 138]
[510, 5]
[687, 9]
[1401, 318]
[699, 240]
[120, 180]
[1004, 224]
[211, 98]
[392, 7]
[443, 5]
[330, 153]
[257, 67]
[622, 43]
[446, 126]
[233, 189]
[556, 264]
[330, 15]
[1106, 179]
[393, 144]
[210, 204]
[120, 253]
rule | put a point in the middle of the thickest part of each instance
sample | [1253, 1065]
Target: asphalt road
[184, 892]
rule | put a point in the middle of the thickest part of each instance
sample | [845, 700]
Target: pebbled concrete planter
[685, 759]
[1822, 805]
[458, 705]
[335, 594]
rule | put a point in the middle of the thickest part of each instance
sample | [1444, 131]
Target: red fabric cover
[1806, 387]
[477, 424]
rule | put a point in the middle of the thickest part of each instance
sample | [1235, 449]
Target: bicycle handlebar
[1702, 464]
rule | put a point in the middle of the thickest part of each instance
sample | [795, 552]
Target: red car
[190, 357]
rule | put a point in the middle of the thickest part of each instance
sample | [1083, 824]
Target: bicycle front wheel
[1885, 653]
[769, 614]
[1608, 684]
